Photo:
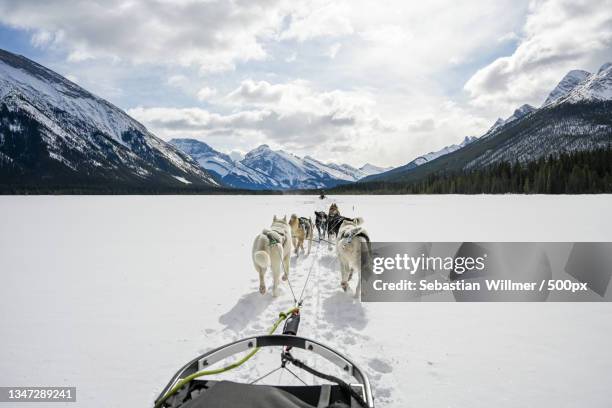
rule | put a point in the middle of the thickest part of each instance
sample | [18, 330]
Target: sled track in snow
[328, 315]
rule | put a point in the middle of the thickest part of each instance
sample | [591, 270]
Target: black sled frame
[311, 395]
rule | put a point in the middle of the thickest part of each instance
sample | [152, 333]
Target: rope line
[319, 240]
[296, 376]
[289, 281]
[180, 384]
[314, 258]
[265, 375]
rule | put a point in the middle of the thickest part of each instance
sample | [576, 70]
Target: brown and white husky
[301, 229]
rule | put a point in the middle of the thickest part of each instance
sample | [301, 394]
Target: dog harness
[354, 232]
[274, 235]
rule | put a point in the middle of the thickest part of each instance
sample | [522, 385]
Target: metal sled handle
[207, 359]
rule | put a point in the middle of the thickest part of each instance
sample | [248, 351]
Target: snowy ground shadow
[341, 310]
[328, 260]
[248, 308]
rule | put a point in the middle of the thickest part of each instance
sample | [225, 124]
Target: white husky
[348, 247]
[272, 248]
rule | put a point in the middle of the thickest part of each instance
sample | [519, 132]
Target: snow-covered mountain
[595, 87]
[228, 171]
[206, 156]
[439, 153]
[426, 158]
[263, 168]
[444, 151]
[55, 132]
[370, 169]
[289, 170]
[567, 84]
[292, 171]
[519, 113]
[575, 117]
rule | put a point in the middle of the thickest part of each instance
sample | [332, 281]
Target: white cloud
[319, 19]
[511, 36]
[391, 91]
[292, 57]
[177, 80]
[558, 36]
[422, 125]
[205, 93]
[213, 35]
[72, 78]
[333, 50]
[258, 92]
[286, 114]
[41, 38]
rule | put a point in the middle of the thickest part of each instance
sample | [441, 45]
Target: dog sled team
[273, 246]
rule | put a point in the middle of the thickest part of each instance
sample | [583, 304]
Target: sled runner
[201, 393]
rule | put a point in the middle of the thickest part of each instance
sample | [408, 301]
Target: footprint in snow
[380, 366]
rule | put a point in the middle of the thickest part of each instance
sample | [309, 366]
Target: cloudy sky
[351, 81]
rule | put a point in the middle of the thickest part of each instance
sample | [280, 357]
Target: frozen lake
[113, 294]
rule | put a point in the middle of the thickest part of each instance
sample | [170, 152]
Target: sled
[204, 393]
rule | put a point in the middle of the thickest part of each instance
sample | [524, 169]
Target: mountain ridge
[50, 125]
[264, 168]
[576, 118]
[53, 131]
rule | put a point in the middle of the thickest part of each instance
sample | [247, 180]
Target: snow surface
[114, 294]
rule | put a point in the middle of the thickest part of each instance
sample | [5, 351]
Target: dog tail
[261, 259]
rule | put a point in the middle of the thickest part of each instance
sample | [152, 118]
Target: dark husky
[321, 223]
[333, 225]
[334, 220]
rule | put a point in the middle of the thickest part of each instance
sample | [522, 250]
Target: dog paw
[344, 286]
[284, 277]
[262, 289]
[275, 293]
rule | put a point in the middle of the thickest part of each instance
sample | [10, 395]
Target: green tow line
[281, 317]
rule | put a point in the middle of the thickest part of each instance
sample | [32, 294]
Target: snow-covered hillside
[369, 169]
[575, 117]
[567, 84]
[444, 151]
[264, 168]
[426, 158]
[519, 113]
[79, 132]
[595, 87]
[571, 119]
